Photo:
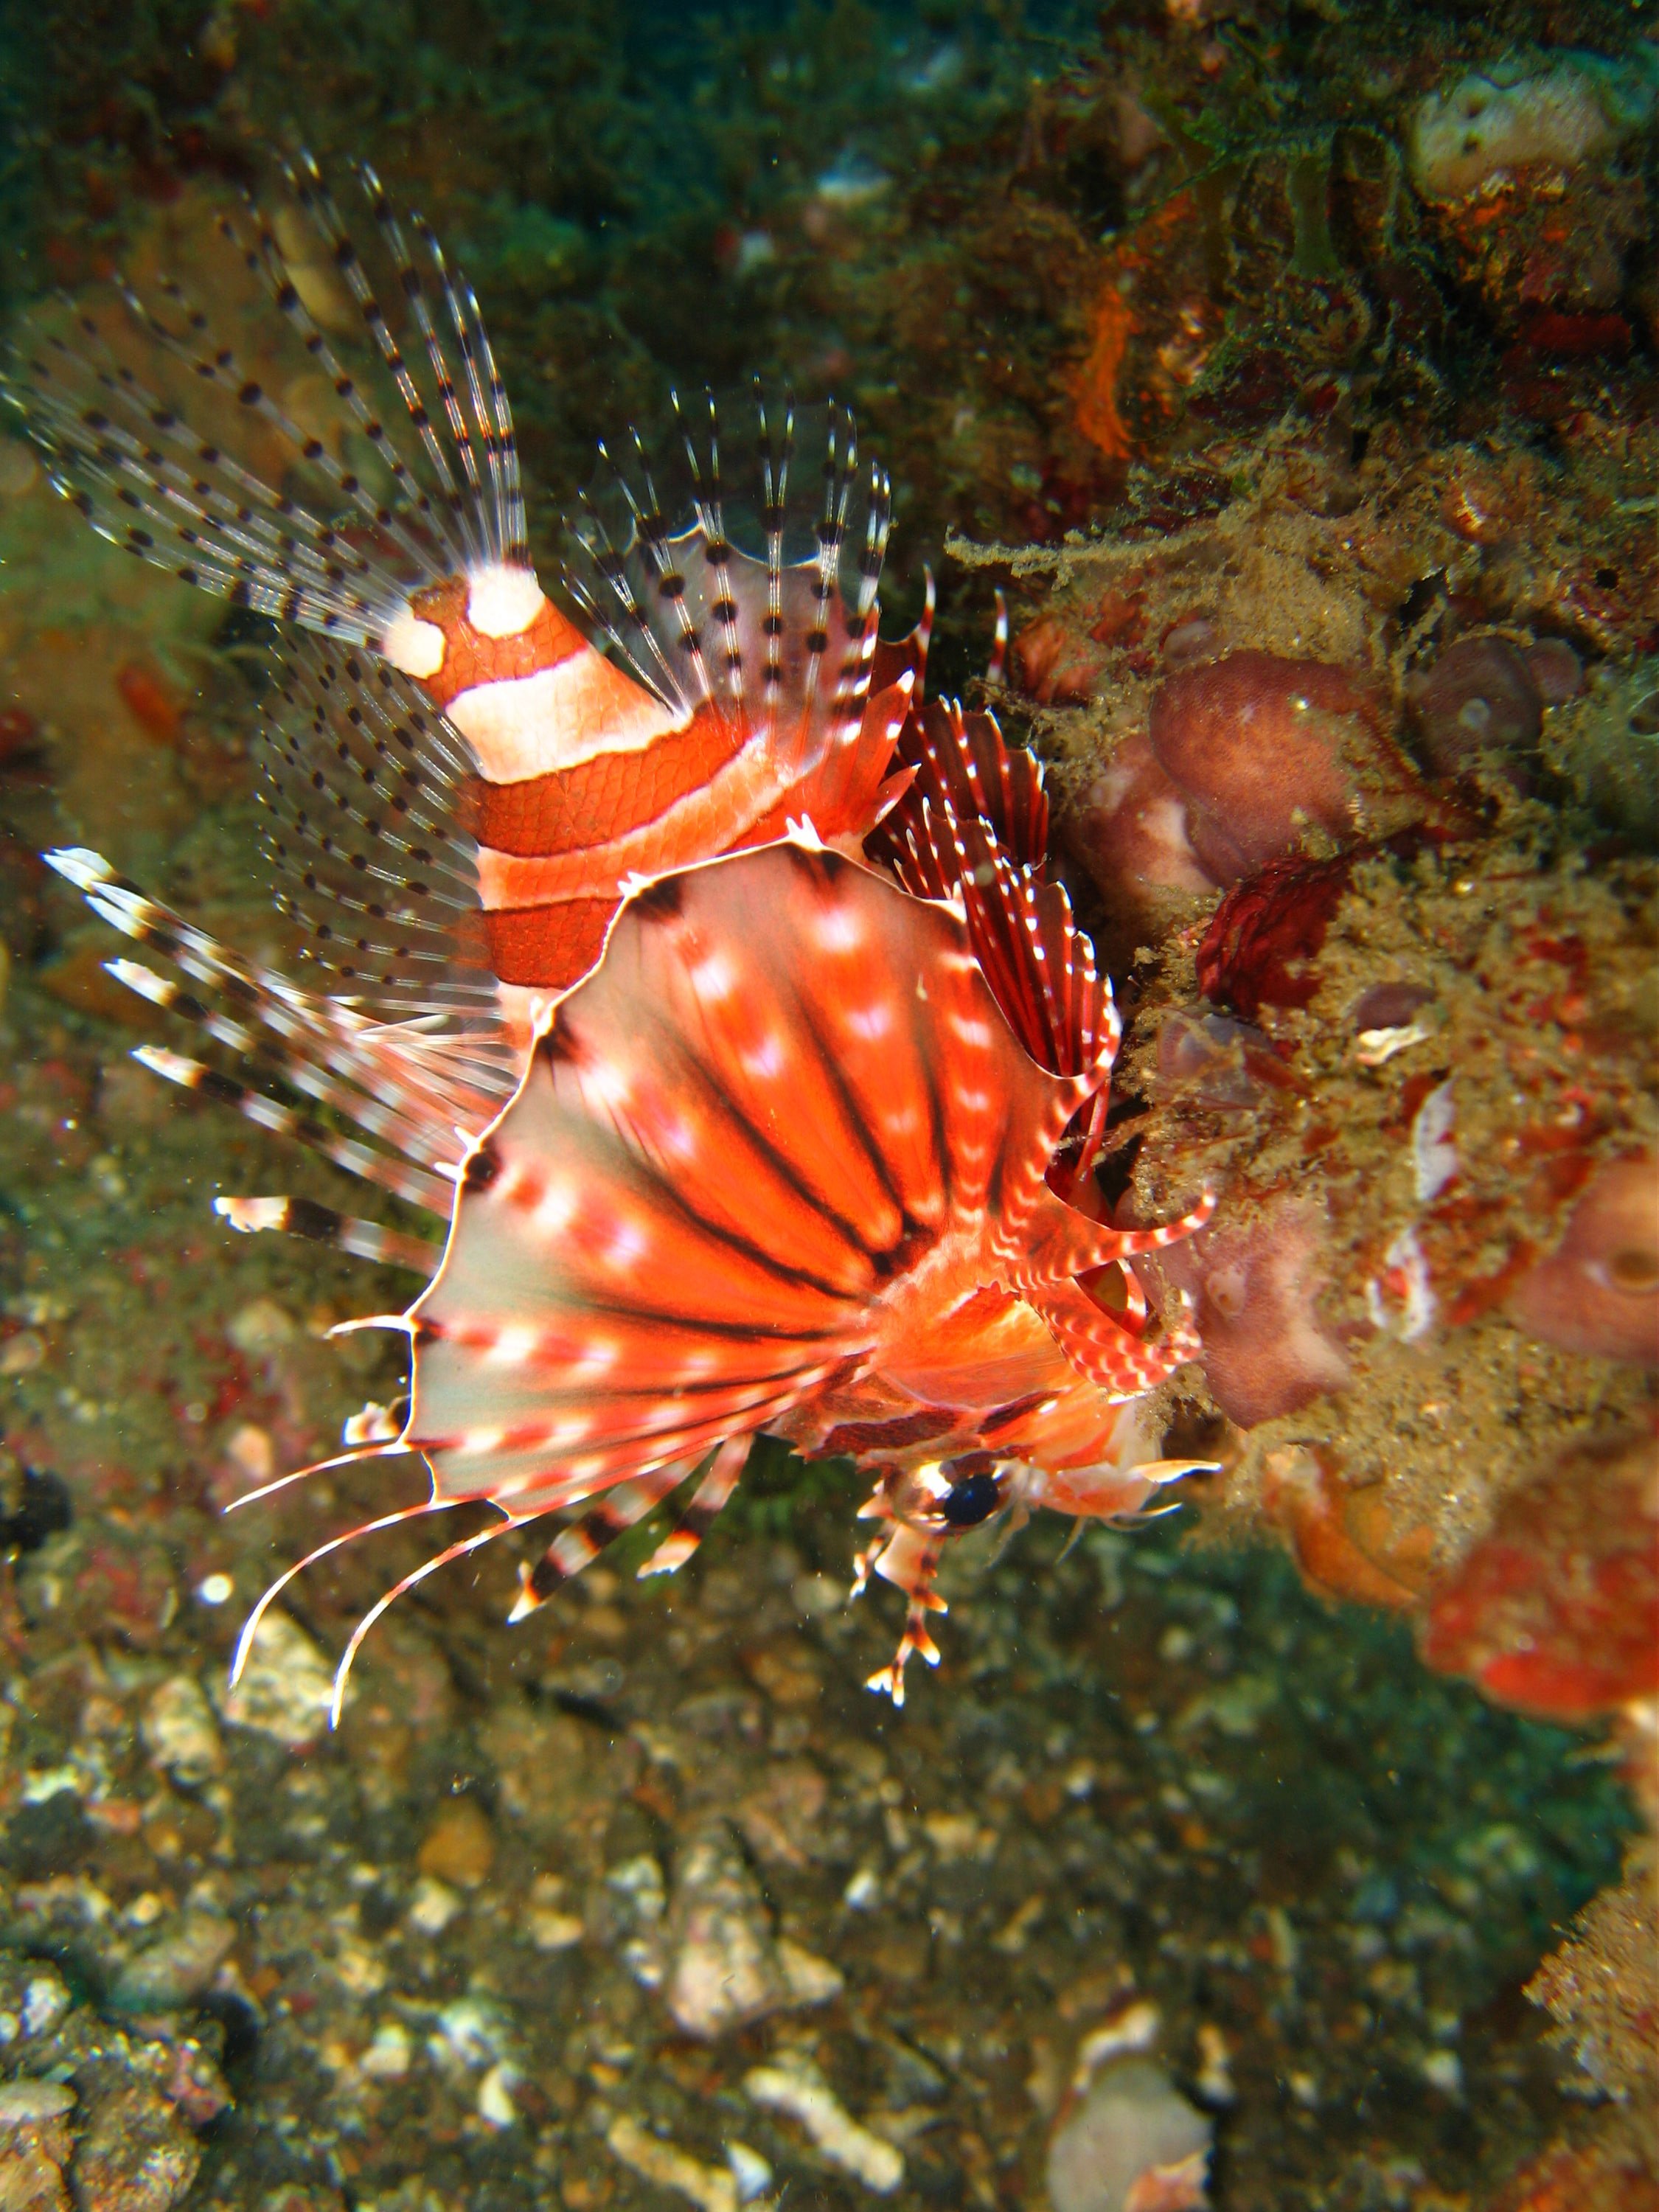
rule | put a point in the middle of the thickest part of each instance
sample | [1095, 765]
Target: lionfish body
[712, 989]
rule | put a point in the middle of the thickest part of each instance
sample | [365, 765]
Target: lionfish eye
[975, 1498]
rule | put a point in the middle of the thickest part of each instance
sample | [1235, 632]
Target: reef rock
[1598, 1291]
[1131, 2144]
[1519, 168]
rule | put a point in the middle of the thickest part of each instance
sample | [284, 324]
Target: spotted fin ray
[441, 498]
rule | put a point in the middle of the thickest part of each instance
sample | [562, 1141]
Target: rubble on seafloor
[658, 1894]
[1296, 377]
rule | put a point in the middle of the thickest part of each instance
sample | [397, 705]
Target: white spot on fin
[80, 866]
[251, 1214]
[415, 647]
[502, 602]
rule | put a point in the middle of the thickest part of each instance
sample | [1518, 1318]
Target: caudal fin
[151, 458]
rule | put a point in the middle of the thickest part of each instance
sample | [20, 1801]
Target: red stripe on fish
[571, 809]
[733, 701]
[547, 947]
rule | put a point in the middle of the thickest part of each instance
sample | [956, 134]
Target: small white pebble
[1134, 2028]
[387, 2057]
[29, 2103]
[639, 1881]
[432, 1904]
[179, 1731]
[495, 2107]
[1443, 2070]
[670, 2168]
[44, 2003]
[470, 2033]
[799, 2091]
[287, 1686]
[215, 1590]
[1374, 1048]
[1213, 2080]
[252, 1452]
[863, 1892]
[811, 1980]
[555, 1931]
[44, 1781]
[749, 2171]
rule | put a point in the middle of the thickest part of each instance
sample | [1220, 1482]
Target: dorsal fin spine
[670, 583]
[711, 520]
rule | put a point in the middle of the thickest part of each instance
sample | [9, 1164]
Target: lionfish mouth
[708, 987]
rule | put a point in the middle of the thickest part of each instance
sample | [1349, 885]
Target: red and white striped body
[586, 781]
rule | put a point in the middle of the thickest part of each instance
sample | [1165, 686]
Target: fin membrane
[779, 636]
[784, 1084]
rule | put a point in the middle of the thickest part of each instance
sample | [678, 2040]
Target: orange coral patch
[1097, 415]
[1556, 1609]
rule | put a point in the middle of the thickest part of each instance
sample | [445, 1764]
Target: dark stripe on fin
[410, 1183]
[321, 1224]
[617, 1512]
[413, 1085]
[705, 1503]
[369, 794]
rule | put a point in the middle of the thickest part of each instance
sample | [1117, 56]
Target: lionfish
[708, 986]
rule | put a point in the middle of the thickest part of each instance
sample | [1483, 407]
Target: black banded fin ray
[420, 1090]
[305, 1218]
[739, 568]
[149, 452]
[370, 804]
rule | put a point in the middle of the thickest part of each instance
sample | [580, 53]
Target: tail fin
[422, 1095]
[123, 447]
